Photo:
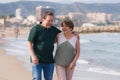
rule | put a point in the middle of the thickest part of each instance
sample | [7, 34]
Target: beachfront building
[99, 17]
[77, 17]
[1, 21]
[40, 10]
[30, 20]
[21, 13]
[61, 17]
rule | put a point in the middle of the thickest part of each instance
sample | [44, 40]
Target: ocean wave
[83, 62]
[16, 52]
[84, 41]
[104, 71]
[103, 37]
[17, 46]
[103, 50]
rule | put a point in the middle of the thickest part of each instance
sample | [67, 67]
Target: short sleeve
[32, 35]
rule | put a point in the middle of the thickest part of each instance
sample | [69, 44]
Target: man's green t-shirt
[43, 42]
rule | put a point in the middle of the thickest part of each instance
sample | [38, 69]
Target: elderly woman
[68, 51]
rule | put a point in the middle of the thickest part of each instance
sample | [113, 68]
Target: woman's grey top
[66, 50]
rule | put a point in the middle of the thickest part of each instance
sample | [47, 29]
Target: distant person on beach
[68, 51]
[41, 45]
[16, 30]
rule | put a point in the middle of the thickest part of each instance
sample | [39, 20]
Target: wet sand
[13, 69]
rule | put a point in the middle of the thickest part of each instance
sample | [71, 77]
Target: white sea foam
[16, 52]
[84, 41]
[83, 61]
[104, 71]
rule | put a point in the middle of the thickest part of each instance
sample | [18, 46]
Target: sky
[67, 1]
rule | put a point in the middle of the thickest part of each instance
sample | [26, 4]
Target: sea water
[99, 55]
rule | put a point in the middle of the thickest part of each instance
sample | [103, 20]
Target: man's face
[48, 21]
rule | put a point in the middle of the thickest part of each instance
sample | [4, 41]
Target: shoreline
[13, 69]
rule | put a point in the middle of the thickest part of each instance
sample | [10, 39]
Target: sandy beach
[13, 69]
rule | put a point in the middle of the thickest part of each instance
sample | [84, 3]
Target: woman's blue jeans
[48, 70]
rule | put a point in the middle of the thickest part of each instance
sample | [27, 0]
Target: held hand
[34, 60]
[71, 66]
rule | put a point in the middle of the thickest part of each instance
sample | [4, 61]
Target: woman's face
[66, 28]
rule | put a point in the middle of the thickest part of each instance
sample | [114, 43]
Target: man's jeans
[47, 71]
